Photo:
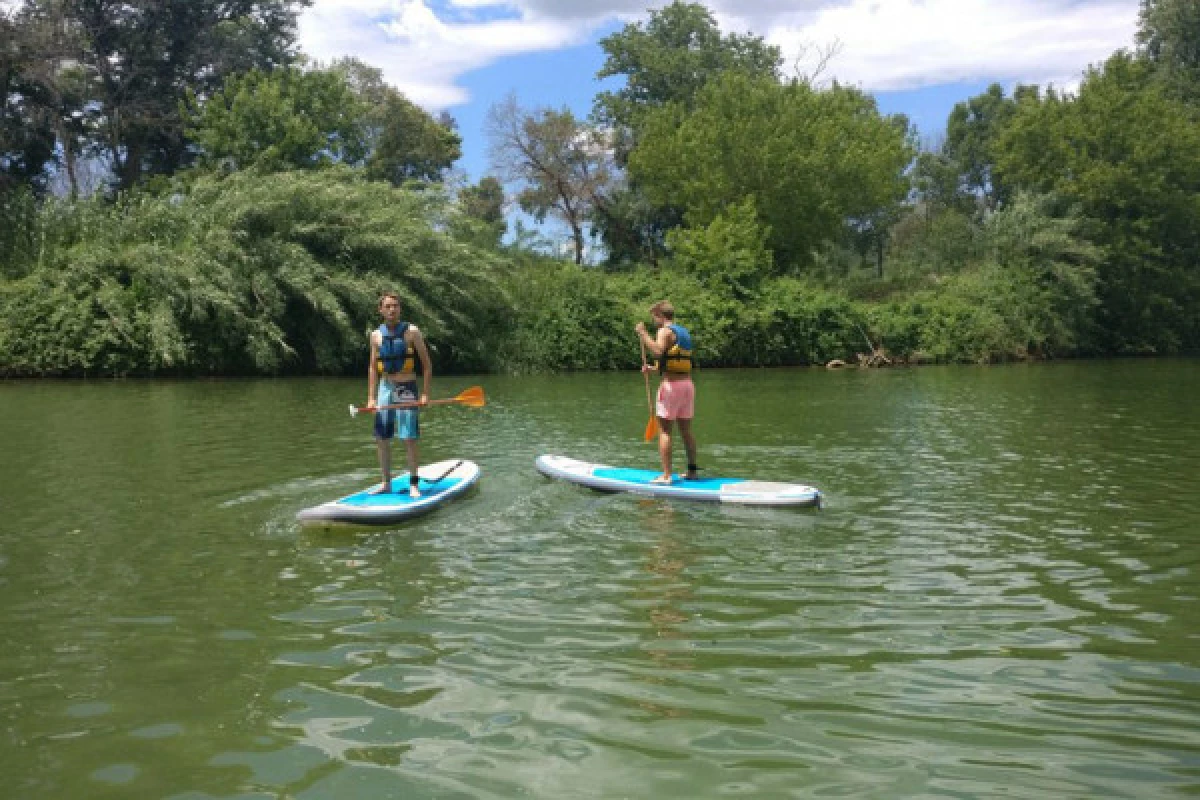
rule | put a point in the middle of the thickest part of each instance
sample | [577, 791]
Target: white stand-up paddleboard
[638, 481]
[440, 483]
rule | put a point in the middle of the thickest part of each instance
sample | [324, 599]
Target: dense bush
[254, 273]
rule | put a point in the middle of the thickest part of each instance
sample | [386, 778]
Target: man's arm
[418, 343]
[652, 344]
[663, 341]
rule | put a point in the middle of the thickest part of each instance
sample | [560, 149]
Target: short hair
[386, 295]
[664, 309]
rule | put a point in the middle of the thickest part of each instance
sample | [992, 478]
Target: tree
[1128, 153]
[562, 166]
[812, 160]
[971, 133]
[666, 60]
[482, 210]
[406, 143]
[286, 119]
[146, 54]
[1169, 36]
[294, 118]
[670, 58]
[26, 125]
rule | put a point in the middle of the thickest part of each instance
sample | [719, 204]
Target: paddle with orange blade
[652, 425]
[472, 398]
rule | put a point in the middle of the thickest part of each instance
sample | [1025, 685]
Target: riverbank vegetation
[237, 209]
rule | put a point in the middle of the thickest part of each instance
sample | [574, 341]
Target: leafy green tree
[482, 212]
[26, 123]
[406, 143]
[666, 60]
[971, 133]
[670, 58]
[1169, 36]
[145, 55]
[812, 160]
[287, 118]
[1128, 153]
[730, 253]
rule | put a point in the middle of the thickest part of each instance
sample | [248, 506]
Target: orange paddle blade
[652, 429]
[472, 397]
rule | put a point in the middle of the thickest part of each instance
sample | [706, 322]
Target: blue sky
[919, 57]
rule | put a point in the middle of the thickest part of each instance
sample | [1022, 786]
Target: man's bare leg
[412, 451]
[384, 446]
[689, 444]
[664, 450]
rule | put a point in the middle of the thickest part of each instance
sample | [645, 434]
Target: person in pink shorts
[672, 346]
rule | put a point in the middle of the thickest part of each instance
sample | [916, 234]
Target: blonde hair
[664, 309]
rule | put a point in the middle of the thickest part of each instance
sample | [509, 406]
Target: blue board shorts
[396, 423]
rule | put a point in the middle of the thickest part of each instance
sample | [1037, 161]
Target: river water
[998, 599]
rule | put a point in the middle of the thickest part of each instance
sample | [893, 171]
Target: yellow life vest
[678, 359]
[396, 355]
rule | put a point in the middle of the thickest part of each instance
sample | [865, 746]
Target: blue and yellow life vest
[395, 354]
[678, 359]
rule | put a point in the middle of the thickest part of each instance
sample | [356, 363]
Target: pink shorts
[676, 399]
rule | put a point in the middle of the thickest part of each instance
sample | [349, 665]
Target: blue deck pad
[399, 495]
[645, 476]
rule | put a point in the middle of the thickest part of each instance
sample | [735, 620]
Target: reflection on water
[995, 601]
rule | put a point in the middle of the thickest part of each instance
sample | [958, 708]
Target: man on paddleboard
[672, 346]
[392, 380]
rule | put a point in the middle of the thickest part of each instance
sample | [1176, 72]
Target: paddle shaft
[469, 397]
[652, 425]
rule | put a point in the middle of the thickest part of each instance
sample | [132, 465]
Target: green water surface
[999, 598]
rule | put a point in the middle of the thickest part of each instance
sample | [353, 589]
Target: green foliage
[409, 144]
[148, 56]
[481, 213]
[250, 274]
[1128, 154]
[971, 134]
[565, 318]
[811, 160]
[561, 166]
[670, 58]
[1169, 36]
[729, 254]
[284, 119]
[26, 126]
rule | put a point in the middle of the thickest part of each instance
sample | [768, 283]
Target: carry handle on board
[472, 397]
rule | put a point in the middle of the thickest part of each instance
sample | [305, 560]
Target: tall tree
[406, 142]
[1169, 35]
[666, 60]
[1128, 152]
[972, 129]
[146, 54]
[482, 208]
[286, 119]
[670, 58]
[813, 161]
[562, 166]
[27, 121]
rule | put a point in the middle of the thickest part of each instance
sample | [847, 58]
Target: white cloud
[419, 53]
[901, 44]
[883, 44]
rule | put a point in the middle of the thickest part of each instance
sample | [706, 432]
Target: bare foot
[414, 491]
[692, 476]
[661, 479]
[383, 488]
